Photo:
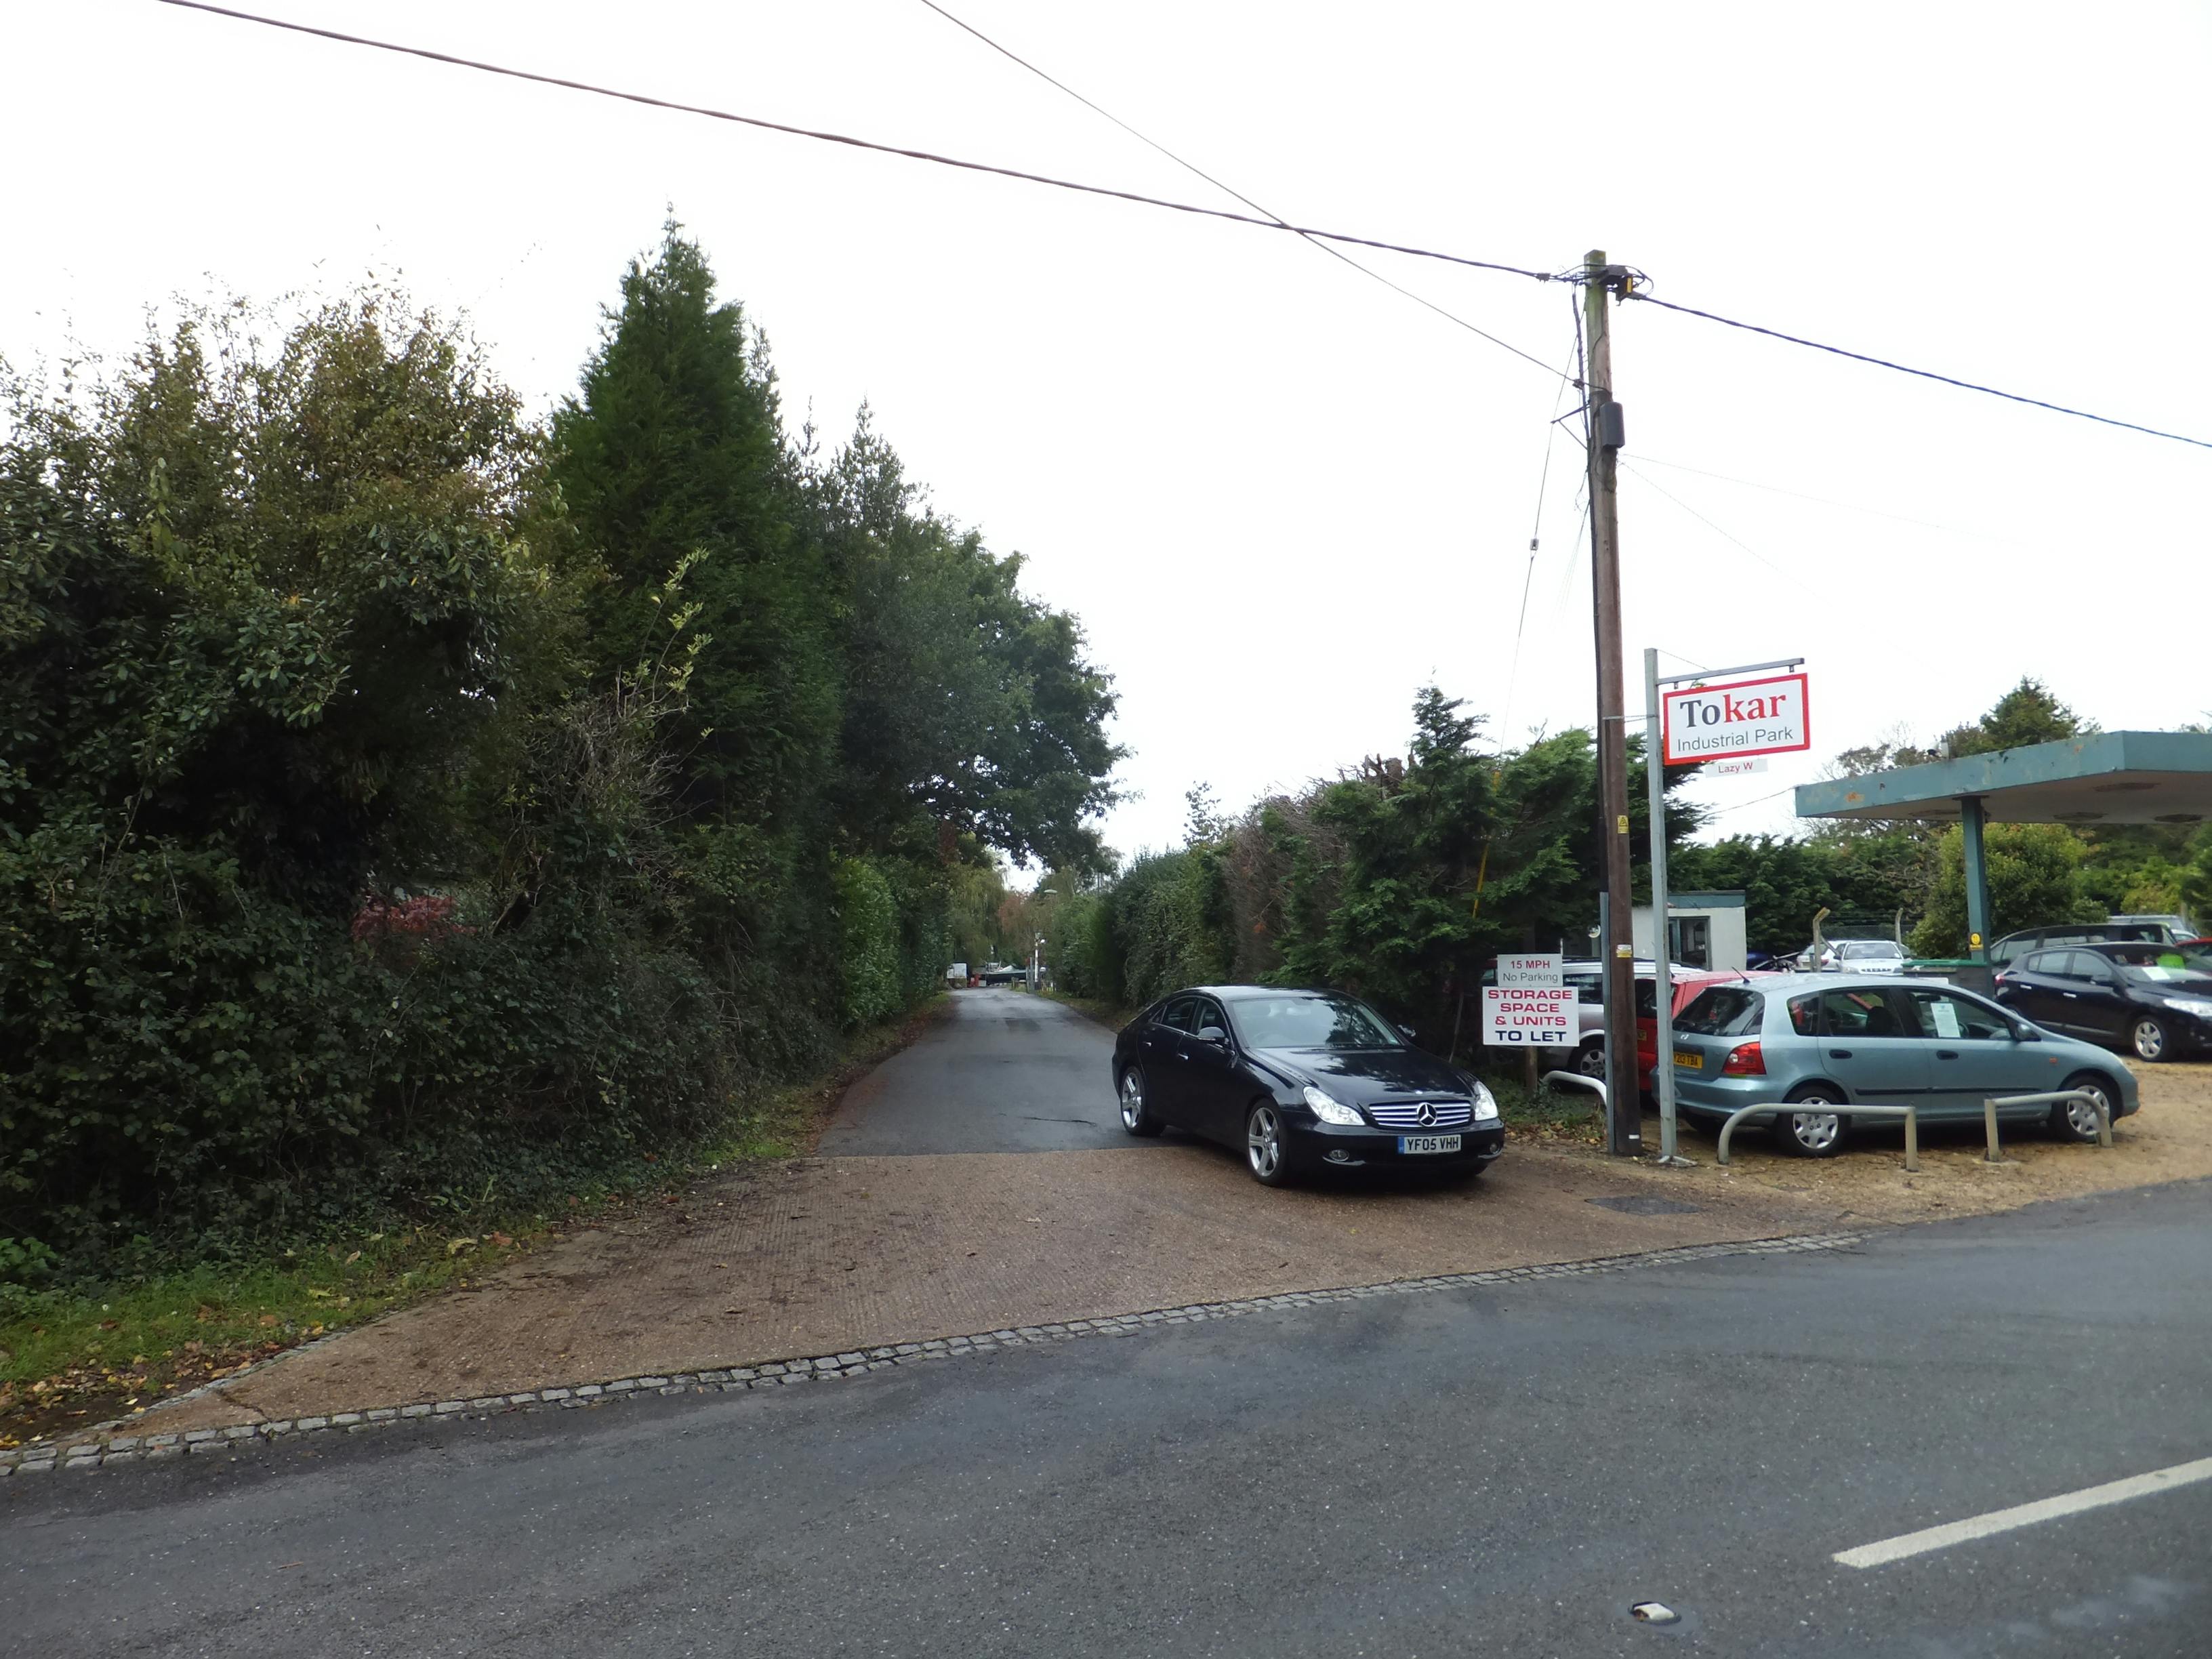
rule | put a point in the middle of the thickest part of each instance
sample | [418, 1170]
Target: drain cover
[1645, 1204]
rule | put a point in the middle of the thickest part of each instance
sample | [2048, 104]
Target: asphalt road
[1003, 1071]
[1500, 1470]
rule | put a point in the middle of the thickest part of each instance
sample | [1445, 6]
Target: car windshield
[1872, 947]
[2172, 968]
[1723, 1011]
[1290, 1022]
[2159, 961]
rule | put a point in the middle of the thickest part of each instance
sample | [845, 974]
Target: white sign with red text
[1765, 717]
[1534, 1015]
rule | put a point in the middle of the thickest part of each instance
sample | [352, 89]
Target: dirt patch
[2169, 1140]
[825, 1254]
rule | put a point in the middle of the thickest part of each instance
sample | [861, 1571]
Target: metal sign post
[1783, 727]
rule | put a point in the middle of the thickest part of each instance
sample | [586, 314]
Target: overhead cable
[1193, 168]
[1576, 274]
[1923, 374]
[847, 139]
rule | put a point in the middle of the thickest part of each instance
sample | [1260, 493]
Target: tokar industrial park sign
[1765, 717]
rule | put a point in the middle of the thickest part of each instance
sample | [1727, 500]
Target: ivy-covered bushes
[398, 800]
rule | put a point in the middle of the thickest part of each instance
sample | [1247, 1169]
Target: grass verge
[73, 1358]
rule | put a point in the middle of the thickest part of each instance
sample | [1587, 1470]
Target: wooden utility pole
[1623, 1103]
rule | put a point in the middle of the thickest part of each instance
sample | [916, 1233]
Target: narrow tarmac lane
[1003, 1071]
[1501, 1470]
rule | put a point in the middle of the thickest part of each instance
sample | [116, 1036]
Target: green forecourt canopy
[2108, 777]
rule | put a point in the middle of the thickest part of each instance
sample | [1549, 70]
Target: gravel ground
[2169, 1140]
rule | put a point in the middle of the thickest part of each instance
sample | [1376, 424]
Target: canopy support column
[1977, 877]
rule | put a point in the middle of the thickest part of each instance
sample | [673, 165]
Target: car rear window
[1723, 1011]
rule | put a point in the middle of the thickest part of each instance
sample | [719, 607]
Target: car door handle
[2071, 996]
[1946, 1054]
[1839, 1054]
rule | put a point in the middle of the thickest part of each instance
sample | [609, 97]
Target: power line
[847, 139]
[1274, 218]
[1850, 506]
[1535, 541]
[1722, 811]
[1923, 374]
[1269, 222]
[1650, 483]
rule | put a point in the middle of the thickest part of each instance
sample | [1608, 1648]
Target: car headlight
[1486, 1108]
[1329, 1109]
[2200, 1006]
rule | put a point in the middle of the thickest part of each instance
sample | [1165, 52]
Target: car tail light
[1745, 1060]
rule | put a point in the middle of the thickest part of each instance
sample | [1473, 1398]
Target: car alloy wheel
[2076, 1119]
[1590, 1061]
[1136, 1114]
[1263, 1145]
[2149, 1039]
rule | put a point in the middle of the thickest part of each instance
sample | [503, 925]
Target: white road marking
[2025, 1515]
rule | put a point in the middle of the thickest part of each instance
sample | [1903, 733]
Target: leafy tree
[283, 632]
[2034, 878]
[674, 447]
[2027, 714]
[2195, 881]
[969, 708]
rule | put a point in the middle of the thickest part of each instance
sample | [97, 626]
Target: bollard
[1995, 1155]
[2104, 1123]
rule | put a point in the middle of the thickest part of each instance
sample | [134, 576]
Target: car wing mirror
[1407, 1029]
[2025, 1034]
[1213, 1034]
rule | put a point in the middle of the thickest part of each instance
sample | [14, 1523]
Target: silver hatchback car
[1823, 1040]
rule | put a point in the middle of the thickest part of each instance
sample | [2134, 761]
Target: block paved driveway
[975, 1180]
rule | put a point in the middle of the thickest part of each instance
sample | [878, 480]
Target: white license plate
[1428, 1143]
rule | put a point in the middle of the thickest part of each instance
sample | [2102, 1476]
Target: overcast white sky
[1280, 497]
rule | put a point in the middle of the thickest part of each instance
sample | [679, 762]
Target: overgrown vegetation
[402, 802]
[1402, 879]
[1368, 882]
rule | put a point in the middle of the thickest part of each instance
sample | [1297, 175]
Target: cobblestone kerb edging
[104, 1449]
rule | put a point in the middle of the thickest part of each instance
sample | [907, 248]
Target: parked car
[1299, 1080]
[2155, 999]
[1820, 956]
[1862, 956]
[1686, 990]
[2177, 927]
[2013, 945]
[1588, 979]
[1824, 1041]
[1001, 973]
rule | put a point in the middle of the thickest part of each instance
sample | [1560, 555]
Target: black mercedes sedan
[1299, 1080]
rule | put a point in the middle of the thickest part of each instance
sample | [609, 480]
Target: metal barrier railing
[1768, 1108]
[1577, 1080]
[1996, 1153]
[1909, 1115]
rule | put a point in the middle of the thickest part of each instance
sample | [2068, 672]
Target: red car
[1647, 1015]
